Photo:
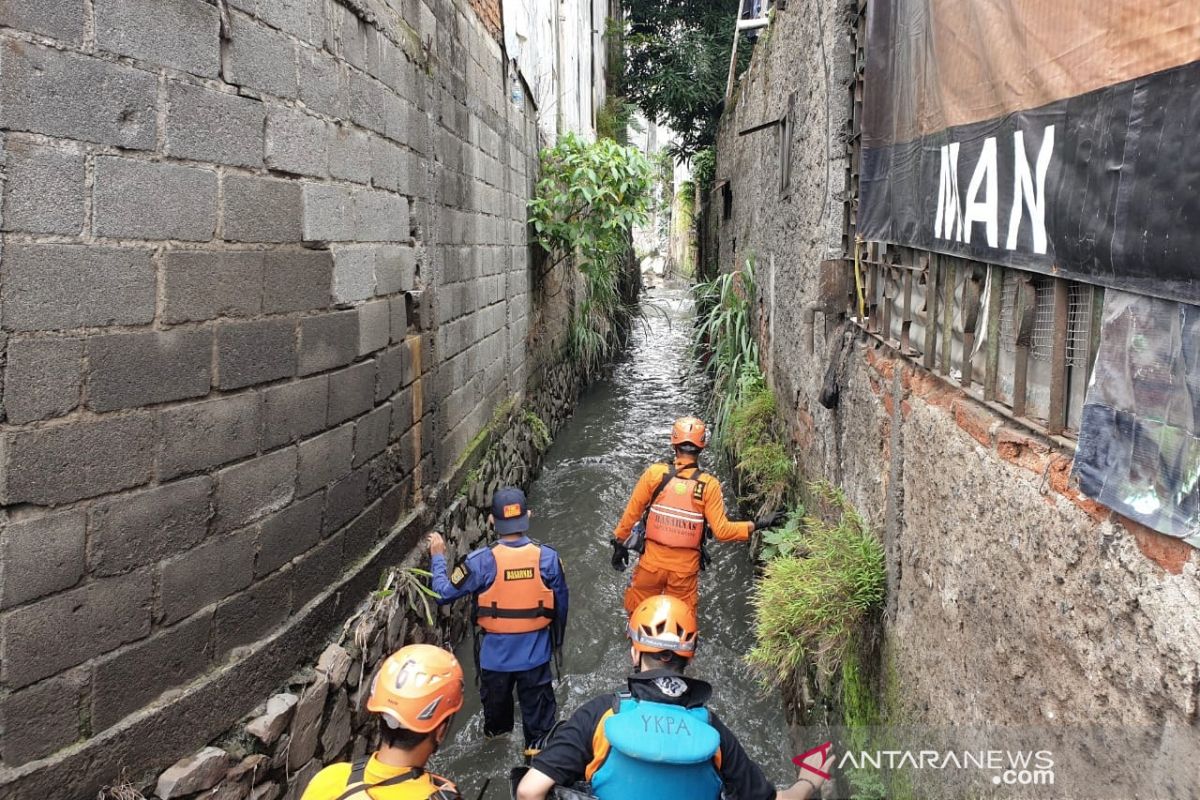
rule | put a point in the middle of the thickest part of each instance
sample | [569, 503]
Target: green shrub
[752, 420]
[766, 471]
[588, 199]
[704, 169]
[765, 464]
[784, 541]
[813, 604]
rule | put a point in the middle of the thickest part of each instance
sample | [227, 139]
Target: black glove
[769, 521]
[620, 556]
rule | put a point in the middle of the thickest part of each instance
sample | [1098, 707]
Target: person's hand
[437, 545]
[620, 556]
[769, 520]
[813, 769]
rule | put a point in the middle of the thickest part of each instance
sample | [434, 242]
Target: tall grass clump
[811, 605]
[589, 198]
[725, 341]
[743, 410]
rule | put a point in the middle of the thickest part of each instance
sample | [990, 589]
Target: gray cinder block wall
[1012, 600]
[261, 284]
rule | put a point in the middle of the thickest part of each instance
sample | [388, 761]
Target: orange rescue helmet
[417, 688]
[663, 623]
[689, 430]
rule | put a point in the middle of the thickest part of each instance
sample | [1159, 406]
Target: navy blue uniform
[511, 660]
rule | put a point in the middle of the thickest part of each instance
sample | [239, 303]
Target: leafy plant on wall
[589, 198]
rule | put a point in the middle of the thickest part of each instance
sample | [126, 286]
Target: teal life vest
[658, 750]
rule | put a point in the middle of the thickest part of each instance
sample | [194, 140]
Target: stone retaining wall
[319, 717]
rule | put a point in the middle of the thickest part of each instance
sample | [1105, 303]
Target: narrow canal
[621, 425]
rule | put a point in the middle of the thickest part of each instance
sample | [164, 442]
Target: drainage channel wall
[318, 716]
[1012, 599]
[265, 280]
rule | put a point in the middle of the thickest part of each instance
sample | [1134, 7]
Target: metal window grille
[1079, 325]
[1043, 321]
[1008, 312]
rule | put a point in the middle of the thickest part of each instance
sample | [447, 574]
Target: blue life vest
[658, 750]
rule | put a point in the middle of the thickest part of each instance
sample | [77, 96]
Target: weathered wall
[260, 291]
[1012, 599]
[319, 714]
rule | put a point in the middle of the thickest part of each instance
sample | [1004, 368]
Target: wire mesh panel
[1043, 321]
[1079, 325]
[1008, 311]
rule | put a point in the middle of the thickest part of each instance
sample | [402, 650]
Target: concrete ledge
[160, 734]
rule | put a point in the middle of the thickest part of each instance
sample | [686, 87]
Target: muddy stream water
[620, 426]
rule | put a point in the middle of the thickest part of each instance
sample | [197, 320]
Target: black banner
[1102, 186]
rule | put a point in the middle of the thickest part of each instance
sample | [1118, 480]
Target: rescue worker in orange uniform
[658, 739]
[520, 609]
[674, 507]
[416, 693]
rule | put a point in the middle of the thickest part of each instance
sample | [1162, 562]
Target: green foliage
[813, 603]
[411, 586]
[704, 169]
[764, 464]
[400, 588]
[539, 430]
[614, 119]
[725, 340]
[785, 541]
[687, 203]
[665, 163]
[588, 200]
[589, 197]
[677, 65]
[753, 420]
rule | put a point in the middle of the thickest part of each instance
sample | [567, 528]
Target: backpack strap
[358, 784]
[671, 473]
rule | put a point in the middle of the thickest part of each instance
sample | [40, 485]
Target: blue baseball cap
[509, 510]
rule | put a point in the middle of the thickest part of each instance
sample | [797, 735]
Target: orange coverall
[673, 570]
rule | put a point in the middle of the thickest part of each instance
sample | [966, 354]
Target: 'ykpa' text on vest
[670, 726]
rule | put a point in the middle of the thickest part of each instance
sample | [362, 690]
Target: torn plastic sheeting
[1139, 448]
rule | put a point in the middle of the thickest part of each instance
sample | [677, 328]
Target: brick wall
[489, 14]
[259, 291]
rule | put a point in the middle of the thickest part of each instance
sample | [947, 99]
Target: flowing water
[620, 426]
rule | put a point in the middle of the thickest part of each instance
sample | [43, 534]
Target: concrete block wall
[1012, 599]
[262, 283]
